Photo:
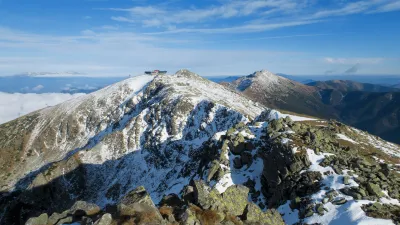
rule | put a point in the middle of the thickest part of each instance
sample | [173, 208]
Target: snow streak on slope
[15, 105]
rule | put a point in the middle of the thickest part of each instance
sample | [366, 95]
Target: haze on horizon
[226, 37]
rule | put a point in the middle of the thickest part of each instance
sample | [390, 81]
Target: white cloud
[139, 10]
[273, 11]
[15, 105]
[38, 87]
[121, 53]
[393, 6]
[154, 16]
[352, 61]
[109, 27]
[351, 8]
[152, 23]
[122, 19]
[88, 32]
[117, 53]
[239, 29]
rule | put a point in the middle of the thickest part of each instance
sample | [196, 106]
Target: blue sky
[227, 37]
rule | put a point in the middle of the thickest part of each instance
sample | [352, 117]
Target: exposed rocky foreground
[204, 154]
[199, 205]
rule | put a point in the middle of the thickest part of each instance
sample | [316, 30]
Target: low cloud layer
[15, 105]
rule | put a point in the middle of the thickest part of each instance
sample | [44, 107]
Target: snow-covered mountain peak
[267, 76]
[152, 115]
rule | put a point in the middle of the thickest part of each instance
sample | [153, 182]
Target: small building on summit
[155, 72]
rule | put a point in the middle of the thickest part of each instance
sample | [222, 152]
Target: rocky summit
[180, 149]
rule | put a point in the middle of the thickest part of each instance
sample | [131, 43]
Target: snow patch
[344, 137]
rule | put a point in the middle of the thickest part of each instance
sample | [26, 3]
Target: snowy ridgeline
[141, 112]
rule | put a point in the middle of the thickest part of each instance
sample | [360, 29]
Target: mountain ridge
[173, 134]
[340, 100]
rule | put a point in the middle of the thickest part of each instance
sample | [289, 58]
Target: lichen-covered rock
[235, 199]
[88, 209]
[204, 196]
[254, 215]
[238, 144]
[213, 170]
[60, 218]
[137, 203]
[40, 220]
[281, 177]
[384, 211]
[339, 201]
[138, 195]
[106, 219]
[375, 190]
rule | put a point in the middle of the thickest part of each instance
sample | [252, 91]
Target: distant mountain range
[348, 85]
[371, 107]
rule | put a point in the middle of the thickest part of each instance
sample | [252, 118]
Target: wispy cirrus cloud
[237, 29]
[352, 61]
[190, 20]
[389, 7]
[230, 9]
[117, 53]
[122, 19]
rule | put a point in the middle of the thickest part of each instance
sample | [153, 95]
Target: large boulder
[204, 196]
[138, 203]
[254, 215]
[235, 199]
[106, 219]
[87, 209]
[374, 189]
[40, 220]
[60, 218]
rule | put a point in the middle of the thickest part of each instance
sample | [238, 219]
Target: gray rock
[346, 180]
[339, 201]
[40, 220]
[235, 199]
[254, 215]
[60, 218]
[374, 189]
[204, 196]
[319, 208]
[246, 158]
[89, 208]
[139, 202]
[237, 163]
[106, 219]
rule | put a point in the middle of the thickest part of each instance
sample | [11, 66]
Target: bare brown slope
[278, 92]
[365, 106]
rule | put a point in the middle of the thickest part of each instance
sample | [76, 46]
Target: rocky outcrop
[208, 207]
[281, 175]
[384, 211]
